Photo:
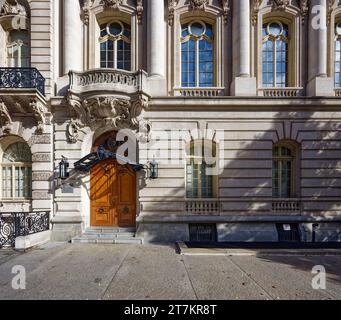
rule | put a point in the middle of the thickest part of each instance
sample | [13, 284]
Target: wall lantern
[154, 169]
[63, 169]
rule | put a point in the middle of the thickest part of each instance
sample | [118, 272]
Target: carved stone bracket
[106, 111]
[280, 4]
[39, 112]
[330, 4]
[255, 9]
[139, 11]
[5, 119]
[304, 6]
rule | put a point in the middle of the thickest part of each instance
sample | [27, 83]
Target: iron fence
[28, 78]
[18, 224]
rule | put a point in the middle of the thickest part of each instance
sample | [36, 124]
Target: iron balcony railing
[27, 78]
[19, 224]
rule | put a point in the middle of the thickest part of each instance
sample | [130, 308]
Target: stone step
[109, 235]
[86, 240]
[109, 230]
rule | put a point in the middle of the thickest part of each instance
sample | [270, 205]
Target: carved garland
[106, 111]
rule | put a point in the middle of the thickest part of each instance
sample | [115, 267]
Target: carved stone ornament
[304, 6]
[255, 9]
[198, 4]
[39, 113]
[330, 4]
[105, 111]
[12, 7]
[114, 4]
[226, 10]
[139, 11]
[171, 9]
[280, 4]
[5, 119]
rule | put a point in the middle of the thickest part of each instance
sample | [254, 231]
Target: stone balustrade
[199, 92]
[286, 206]
[202, 207]
[280, 92]
[108, 80]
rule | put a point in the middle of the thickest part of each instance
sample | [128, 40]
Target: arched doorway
[112, 191]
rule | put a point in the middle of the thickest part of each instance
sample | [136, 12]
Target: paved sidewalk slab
[186, 250]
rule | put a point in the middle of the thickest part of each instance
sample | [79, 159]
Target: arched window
[18, 55]
[197, 54]
[200, 169]
[16, 172]
[337, 66]
[283, 171]
[115, 44]
[275, 55]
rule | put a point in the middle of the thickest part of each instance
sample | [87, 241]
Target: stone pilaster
[319, 84]
[243, 84]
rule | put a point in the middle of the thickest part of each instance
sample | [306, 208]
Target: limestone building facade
[179, 119]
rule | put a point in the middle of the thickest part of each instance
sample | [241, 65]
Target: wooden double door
[113, 195]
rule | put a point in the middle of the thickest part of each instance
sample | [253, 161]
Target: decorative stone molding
[5, 119]
[13, 7]
[105, 111]
[198, 4]
[113, 4]
[41, 157]
[226, 10]
[41, 176]
[40, 139]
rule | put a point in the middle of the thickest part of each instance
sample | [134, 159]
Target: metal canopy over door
[113, 195]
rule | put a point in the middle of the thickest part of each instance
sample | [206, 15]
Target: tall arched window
[197, 55]
[283, 171]
[275, 55]
[201, 162]
[115, 44]
[18, 49]
[16, 172]
[337, 66]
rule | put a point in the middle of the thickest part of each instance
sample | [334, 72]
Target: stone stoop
[108, 236]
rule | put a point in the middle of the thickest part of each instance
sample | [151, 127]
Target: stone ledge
[26, 242]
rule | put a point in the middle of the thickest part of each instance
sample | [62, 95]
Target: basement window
[203, 233]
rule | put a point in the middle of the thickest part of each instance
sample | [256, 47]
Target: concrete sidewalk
[66, 271]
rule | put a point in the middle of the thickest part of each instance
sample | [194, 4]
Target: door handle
[101, 210]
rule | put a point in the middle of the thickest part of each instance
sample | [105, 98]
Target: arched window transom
[337, 66]
[16, 172]
[115, 45]
[275, 55]
[197, 55]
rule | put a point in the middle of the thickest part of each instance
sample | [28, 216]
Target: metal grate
[288, 232]
[203, 232]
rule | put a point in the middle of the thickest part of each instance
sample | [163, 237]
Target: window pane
[7, 182]
[337, 65]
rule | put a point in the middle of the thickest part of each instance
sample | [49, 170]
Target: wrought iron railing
[27, 78]
[19, 224]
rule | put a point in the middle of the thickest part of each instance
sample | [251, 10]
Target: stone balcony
[208, 207]
[199, 92]
[108, 80]
[287, 206]
[22, 94]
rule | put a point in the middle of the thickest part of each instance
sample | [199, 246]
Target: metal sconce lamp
[154, 170]
[63, 169]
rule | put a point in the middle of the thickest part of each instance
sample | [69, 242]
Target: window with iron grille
[203, 232]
